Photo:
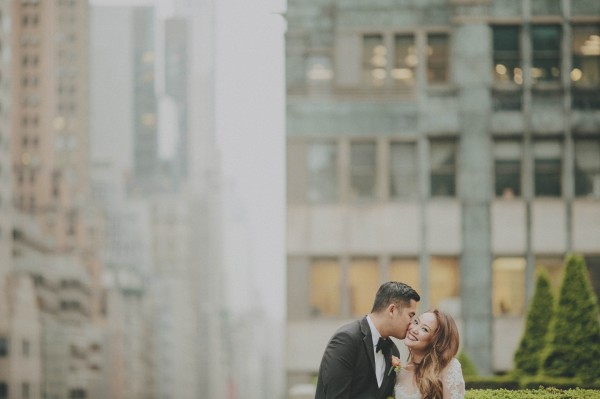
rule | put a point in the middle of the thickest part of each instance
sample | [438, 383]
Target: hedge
[511, 382]
[540, 393]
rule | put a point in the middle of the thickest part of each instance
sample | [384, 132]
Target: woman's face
[421, 332]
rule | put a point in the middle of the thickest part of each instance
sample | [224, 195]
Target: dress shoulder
[454, 382]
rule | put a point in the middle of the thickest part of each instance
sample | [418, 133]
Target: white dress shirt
[379, 359]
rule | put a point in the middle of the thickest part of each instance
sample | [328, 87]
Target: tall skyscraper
[177, 80]
[145, 142]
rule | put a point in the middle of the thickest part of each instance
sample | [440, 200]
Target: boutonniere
[395, 365]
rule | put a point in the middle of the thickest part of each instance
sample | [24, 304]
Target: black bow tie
[384, 345]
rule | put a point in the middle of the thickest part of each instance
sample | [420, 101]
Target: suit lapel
[388, 378]
[368, 342]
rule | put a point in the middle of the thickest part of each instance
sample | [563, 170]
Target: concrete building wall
[368, 73]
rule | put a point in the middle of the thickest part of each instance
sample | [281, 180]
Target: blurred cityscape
[450, 144]
[127, 262]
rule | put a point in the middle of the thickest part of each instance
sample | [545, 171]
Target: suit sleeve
[338, 365]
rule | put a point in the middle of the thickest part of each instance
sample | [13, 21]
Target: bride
[431, 371]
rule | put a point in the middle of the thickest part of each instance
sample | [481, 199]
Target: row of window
[319, 172]
[4, 347]
[346, 287]
[546, 53]
[25, 390]
[390, 59]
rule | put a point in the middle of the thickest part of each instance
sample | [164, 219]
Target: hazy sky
[250, 131]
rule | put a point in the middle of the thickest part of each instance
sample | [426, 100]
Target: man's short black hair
[394, 292]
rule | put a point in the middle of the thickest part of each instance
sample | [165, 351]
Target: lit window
[507, 168]
[362, 169]
[585, 72]
[507, 54]
[554, 269]
[149, 120]
[374, 61]
[437, 58]
[443, 168]
[364, 282]
[407, 271]
[444, 281]
[508, 290]
[325, 287]
[547, 168]
[322, 172]
[403, 170]
[587, 167]
[546, 52]
[405, 60]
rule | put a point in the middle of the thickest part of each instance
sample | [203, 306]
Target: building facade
[453, 145]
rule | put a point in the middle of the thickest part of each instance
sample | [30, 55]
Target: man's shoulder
[354, 328]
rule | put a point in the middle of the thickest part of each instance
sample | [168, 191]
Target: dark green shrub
[542, 393]
[557, 382]
[529, 353]
[574, 349]
[468, 367]
[497, 382]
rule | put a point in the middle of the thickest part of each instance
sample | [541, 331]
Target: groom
[357, 359]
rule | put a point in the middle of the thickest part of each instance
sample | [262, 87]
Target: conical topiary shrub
[541, 309]
[574, 349]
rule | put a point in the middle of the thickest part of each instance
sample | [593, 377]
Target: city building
[453, 145]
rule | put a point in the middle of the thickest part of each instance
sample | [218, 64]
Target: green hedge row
[541, 393]
[508, 382]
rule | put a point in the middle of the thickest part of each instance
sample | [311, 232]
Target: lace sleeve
[454, 383]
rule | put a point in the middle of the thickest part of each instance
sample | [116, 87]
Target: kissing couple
[362, 362]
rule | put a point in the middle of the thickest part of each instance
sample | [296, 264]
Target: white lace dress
[452, 378]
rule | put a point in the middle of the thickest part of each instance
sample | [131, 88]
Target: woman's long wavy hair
[443, 348]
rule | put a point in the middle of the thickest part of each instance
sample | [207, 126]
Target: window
[407, 271]
[437, 58]
[25, 348]
[443, 168]
[507, 168]
[322, 172]
[593, 265]
[547, 168]
[325, 293]
[587, 167]
[508, 286]
[25, 390]
[364, 282]
[507, 54]
[586, 55]
[374, 60]
[546, 52]
[362, 170]
[405, 61]
[403, 170]
[3, 346]
[554, 268]
[444, 280]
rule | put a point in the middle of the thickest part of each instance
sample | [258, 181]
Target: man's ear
[390, 309]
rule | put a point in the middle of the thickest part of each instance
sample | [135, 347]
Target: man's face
[401, 319]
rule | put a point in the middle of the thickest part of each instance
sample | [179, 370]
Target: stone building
[450, 144]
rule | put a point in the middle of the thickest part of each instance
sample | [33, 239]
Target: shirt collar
[374, 333]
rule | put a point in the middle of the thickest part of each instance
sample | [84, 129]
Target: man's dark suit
[348, 366]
